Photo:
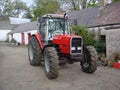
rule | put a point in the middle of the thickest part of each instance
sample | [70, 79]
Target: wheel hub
[86, 64]
[47, 63]
[31, 52]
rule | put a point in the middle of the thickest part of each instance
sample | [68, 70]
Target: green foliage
[83, 31]
[45, 6]
[38, 12]
[97, 45]
[28, 14]
[5, 7]
[100, 47]
[89, 39]
[19, 7]
[12, 8]
[7, 40]
[115, 0]
[93, 3]
[13, 40]
[77, 4]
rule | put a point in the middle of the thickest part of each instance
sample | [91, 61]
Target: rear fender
[44, 47]
[38, 39]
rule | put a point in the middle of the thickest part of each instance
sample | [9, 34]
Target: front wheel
[34, 52]
[89, 64]
[51, 62]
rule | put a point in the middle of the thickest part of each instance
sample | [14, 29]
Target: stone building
[84, 17]
[103, 21]
[108, 24]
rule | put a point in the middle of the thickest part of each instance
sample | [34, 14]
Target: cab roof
[54, 15]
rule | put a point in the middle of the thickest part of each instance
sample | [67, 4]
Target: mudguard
[39, 40]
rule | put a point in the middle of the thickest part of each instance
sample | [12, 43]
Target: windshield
[57, 26]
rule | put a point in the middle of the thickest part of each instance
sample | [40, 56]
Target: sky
[28, 2]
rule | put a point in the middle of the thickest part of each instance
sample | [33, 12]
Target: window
[43, 30]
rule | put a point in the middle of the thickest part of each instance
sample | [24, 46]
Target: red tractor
[54, 45]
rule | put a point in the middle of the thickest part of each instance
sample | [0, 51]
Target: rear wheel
[89, 64]
[51, 62]
[34, 52]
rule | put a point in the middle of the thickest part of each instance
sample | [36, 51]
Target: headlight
[78, 48]
[73, 48]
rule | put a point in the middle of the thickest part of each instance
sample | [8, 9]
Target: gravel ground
[17, 74]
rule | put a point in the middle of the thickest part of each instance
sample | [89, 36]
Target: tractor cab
[52, 24]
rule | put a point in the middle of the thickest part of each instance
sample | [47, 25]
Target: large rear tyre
[89, 64]
[34, 52]
[51, 62]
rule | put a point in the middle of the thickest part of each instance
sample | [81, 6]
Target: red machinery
[54, 45]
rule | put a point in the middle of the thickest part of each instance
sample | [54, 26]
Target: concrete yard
[17, 74]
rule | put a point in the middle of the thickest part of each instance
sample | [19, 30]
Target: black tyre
[34, 52]
[89, 64]
[51, 62]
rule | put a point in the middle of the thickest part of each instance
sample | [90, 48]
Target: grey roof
[84, 17]
[110, 14]
[25, 27]
[5, 25]
[16, 21]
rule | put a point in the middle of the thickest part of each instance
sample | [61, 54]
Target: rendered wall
[3, 34]
[18, 36]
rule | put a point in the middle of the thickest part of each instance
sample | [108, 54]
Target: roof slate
[5, 25]
[110, 14]
[26, 27]
[84, 17]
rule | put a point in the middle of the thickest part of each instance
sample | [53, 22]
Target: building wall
[18, 36]
[97, 31]
[10, 37]
[26, 35]
[112, 42]
[3, 34]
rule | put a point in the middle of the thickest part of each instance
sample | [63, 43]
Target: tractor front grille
[76, 45]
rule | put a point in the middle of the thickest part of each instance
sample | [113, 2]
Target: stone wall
[97, 31]
[112, 42]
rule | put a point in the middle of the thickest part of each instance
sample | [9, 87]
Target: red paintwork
[63, 40]
[39, 40]
[23, 39]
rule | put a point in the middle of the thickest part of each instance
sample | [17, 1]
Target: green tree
[12, 8]
[5, 8]
[93, 3]
[45, 6]
[115, 0]
[77, 4]
[28, 14]
[83, 31]
[19, 7]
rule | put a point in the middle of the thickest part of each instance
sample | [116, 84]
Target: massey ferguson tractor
[55, 46]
